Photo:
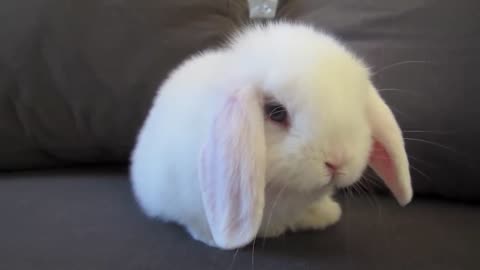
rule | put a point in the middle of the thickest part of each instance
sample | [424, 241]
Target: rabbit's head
[307, 118]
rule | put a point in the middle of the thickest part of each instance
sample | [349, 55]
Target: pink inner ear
[388, 157]
[382, 164]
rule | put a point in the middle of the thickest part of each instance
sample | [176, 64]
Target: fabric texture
[424, 56]
[89, 220]
[77, 77]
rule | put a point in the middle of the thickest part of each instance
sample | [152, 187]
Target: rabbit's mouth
[284, 202]
[274, 190]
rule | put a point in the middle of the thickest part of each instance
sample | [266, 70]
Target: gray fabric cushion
[89, 220]
[77, 77]
[425, 55]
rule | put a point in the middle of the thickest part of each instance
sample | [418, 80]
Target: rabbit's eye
[276, 112]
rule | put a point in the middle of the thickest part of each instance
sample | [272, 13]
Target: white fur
[327, 92]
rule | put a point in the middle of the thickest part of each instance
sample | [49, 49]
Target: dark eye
[276, 112]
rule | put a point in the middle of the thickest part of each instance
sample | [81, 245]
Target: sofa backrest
[77, 77]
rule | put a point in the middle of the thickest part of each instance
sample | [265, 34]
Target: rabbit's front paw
[320, 215]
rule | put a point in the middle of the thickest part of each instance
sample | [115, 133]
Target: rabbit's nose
[332, 166]
[334, 163]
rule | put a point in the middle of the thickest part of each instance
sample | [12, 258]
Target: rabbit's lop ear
[232, 170]
[388, 157]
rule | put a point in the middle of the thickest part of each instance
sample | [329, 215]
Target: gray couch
[76, 81]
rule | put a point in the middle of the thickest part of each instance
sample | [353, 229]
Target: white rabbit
[252, 139]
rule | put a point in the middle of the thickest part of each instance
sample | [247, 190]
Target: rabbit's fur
[210, 158]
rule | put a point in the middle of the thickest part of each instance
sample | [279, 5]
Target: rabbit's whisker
[272, 209]
[399, 64]
[431, 143]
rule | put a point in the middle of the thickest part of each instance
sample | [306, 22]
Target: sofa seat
[88, 219]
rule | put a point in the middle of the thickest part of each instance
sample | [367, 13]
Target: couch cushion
[77, 77]
[89, 220]
[424, 54]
